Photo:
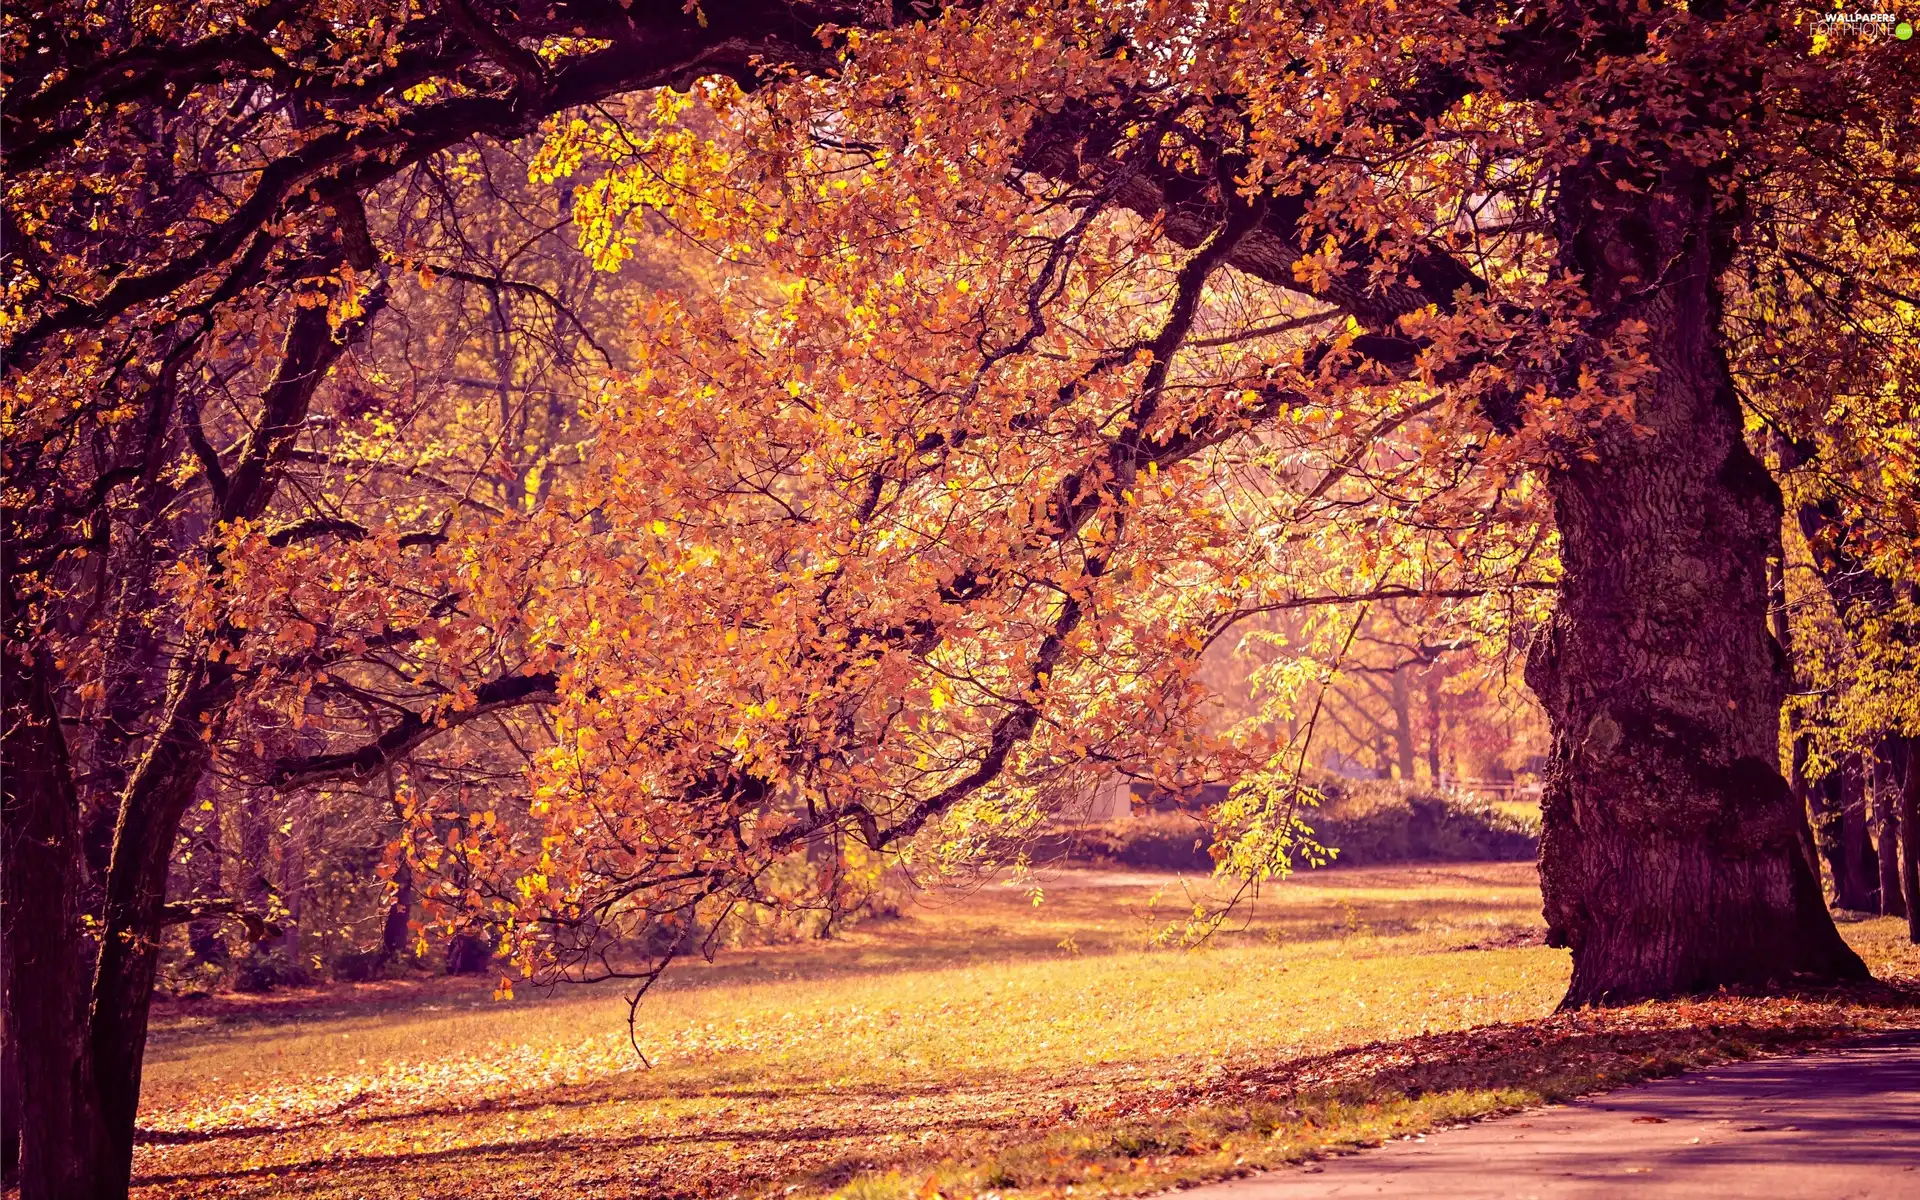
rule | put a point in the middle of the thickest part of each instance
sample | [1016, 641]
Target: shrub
[807, 905]
[359, 966]
[1381, 822]
[1367, 821]
[265, 970]
[1165, 841]
[469, 953]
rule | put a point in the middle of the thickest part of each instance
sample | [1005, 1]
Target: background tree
[190, 259]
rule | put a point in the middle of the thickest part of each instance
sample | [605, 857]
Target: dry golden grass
[978, 1044]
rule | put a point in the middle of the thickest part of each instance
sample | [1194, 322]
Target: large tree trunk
[1670, 854]
[60, 1131]
[10, 1103]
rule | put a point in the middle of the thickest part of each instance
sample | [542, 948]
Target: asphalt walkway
[1841, 1124]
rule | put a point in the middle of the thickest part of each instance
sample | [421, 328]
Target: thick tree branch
[510, 691]
[259, 929]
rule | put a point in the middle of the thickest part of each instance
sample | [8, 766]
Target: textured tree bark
[1671, 856]
[10, 1103]
[60, 1130]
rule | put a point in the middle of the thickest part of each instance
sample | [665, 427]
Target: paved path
[1836, 1125]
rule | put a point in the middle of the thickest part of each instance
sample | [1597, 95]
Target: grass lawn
[980, 1044]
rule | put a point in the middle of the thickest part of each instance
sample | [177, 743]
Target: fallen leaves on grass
[959, 1046]
[1234, 1123]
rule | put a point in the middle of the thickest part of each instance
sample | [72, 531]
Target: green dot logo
[1903, 31]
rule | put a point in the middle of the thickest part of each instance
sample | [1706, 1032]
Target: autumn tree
[1552, 266]
[190, 257]
[894, 553]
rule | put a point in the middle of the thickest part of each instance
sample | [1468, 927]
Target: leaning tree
[929, 515]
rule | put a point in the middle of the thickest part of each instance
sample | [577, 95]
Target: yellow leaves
[561, 153]
[937, 697]
[769, 709]
[1316, 270]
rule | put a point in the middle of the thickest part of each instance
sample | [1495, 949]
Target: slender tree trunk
[1782, 624]
[292, 863]
[1909, 758]
[1671, 855]
[1403, 743]
[163, 783]
[1823, 796]
[1432, 687]
[1886, 829]
[150, 814]
[60, 1128]
[393, 934]
[1858, 886]
[204, 942]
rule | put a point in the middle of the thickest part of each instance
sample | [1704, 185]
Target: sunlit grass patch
[980, 1043]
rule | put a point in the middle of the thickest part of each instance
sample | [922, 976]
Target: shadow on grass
[577, 1095]
[563, 1144]
[1233, 1122]
[1555, 1054]
[990, 924]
